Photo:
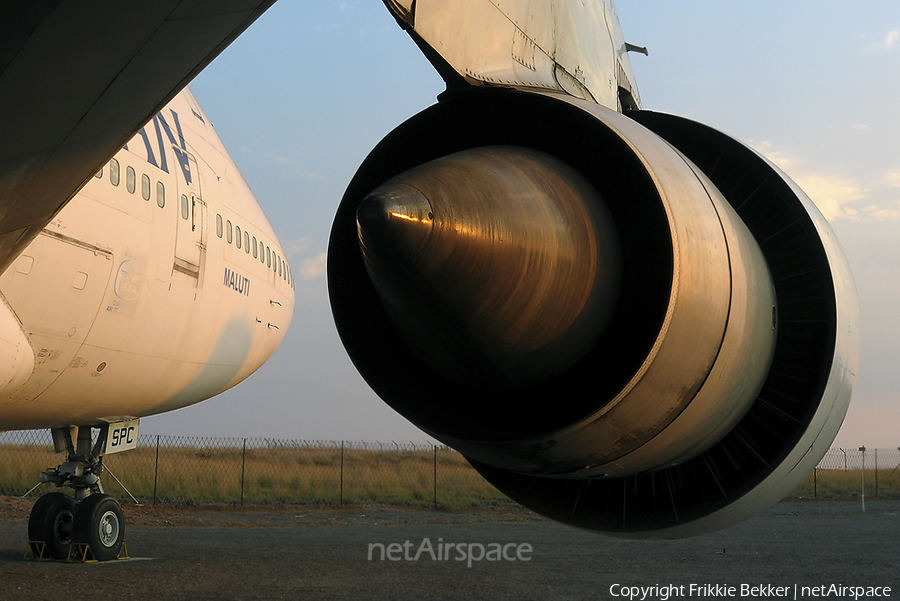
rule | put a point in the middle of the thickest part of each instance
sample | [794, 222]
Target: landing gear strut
[91, 517]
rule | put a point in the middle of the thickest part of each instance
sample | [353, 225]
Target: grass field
[328, 475]
[258, 471]
[843, 484]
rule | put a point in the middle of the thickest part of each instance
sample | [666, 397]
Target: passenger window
[145, 187]
[114, 172]
[246, 242]
[237, 236]
[185, 207]
[129, 179]
[228, 231]
[160, 194]
[254, 247]
[268, 257]
[99, 174]
[218, 225]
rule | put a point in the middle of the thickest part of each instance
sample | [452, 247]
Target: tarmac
[796, 550]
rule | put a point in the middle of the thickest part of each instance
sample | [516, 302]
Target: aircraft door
[190, 236]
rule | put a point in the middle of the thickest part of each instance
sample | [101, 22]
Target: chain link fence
[845, 473]
[239, 471]
[193, 470]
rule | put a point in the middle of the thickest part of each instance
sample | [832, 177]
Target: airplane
[140, 274]
[160, 284]
[624, 320]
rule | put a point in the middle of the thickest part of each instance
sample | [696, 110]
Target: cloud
[785, 162]
[296, 169]
[876, 213]
[308, 268]
[313, 269]
[891, 179]
[889, 41]
[296, 246]
[831, 193]
[839, 197]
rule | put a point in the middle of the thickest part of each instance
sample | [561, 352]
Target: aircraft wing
[78, 79]
[556, 45]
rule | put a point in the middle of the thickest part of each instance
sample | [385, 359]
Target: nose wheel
[51, 522]
[99, 523]
[57, 522]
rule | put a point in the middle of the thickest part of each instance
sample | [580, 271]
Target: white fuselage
[159, 285]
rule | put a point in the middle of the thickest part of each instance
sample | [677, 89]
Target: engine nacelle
[633, 324]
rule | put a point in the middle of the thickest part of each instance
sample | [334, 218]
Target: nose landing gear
[91, 518]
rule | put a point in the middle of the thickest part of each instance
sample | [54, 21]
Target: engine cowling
[633, 324]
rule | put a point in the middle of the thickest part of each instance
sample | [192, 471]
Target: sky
[303, 96]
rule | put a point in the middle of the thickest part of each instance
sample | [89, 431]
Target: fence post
[876, 473]
[342, 473]
[156, 471]
[863, 450]
[243, 464]
[435, 476]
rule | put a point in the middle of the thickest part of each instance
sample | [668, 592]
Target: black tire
[100, 524]
[51, 522]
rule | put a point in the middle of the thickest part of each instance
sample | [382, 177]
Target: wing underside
[573, 48]
[79, 79]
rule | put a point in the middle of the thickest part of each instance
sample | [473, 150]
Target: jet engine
[626, 322]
